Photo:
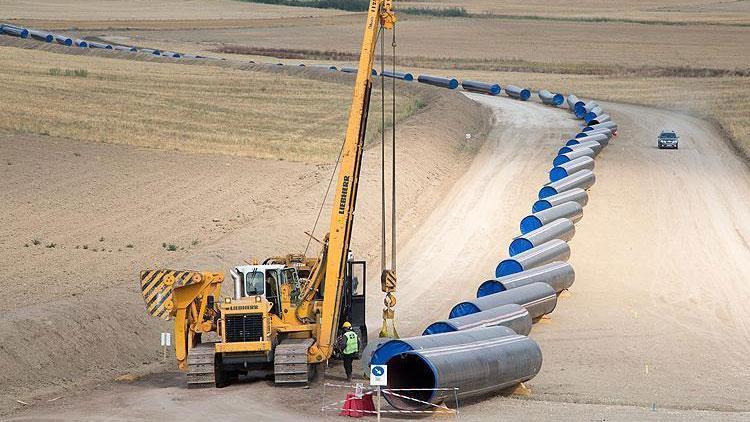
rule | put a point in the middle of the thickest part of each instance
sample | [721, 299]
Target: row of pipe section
[482, 346]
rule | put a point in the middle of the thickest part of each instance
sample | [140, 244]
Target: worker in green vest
[350, 348]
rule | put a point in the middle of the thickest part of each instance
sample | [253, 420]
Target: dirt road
[655, 327]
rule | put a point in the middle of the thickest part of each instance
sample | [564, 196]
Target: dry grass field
[176, 107]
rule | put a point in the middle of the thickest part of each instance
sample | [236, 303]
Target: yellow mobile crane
[286, 312]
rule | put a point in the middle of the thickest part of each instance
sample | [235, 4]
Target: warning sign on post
[379, 375]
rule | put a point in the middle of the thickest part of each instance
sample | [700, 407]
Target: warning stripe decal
[156, 288]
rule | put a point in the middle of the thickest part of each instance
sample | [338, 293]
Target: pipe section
[474, 369]
[15, 31]
[604, 131]
[449, 83]
[599, 119]
[393, 347]
[574, 102]
[559, 275]
[562, 229]
[584, 179]
[513, 91]
[592, 145]
[601, 138]
[576, 194]
[538, 298]
[550, 98]
[570, 210]
[351, 70]
[513, 316]
[81, 43]
[572, 155]
[94, 44]
[41, 35]
[554, 250]
[611, 125]
[398, 75]
[566, 169]
[61, 39]
[481, 87]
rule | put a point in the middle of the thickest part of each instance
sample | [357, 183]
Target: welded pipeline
[571, 167]
[15, 31]
[449, 83]
[62, 39]
[601, 131]
[593, 145]
[558, 274]
[513, 91]
[568, 156]
[473, 369]
[571, 210]
[599, 119]
[611, 125]
[576, 194]
[93, 44]
[394, 347]
[554, 250]
[513, 316]
[398, 75]
[538, 298]
[481, 87]
[41, 35]
[550, 98]
[562, 229]
[599, 137]
[584, 179]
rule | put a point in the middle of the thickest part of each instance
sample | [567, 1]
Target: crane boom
[380, 14]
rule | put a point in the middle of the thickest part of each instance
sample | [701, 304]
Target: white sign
[166, 339]
[378, 375]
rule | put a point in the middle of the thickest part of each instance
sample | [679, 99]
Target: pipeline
[475, 368]
[592, 145]
[558, 274]
[599, 137]
[570, 210]
[125, 48]
[550, 98]
[15, 31]
[576, 194]
[574, 102]
[61, 39]
[566, 169]
[351, 70]
[513, 91]
[562, 229]
[599, 119]
[554, 250]
[41, 35]
[398, 75]
[611, 125]
[155, 52]
[81, 43]
[584, 179]
[93, 44]
[602, 131]
[481, 87]
[512, 316]
[572, 155]
[449, 83]
[538, 298]
[394, 347]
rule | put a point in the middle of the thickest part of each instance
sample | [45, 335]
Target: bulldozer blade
[157, 287]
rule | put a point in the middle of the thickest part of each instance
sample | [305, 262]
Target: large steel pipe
[559, 275]
[352, 70]
[81, 43]
[611, 125]
[94, 44]
[538, 298]
[576, 194]
[62, 39]
[574, 102]
[602, 138]
[591, 115]
[566, 169]
[604, 131]
[602, 118]
[125, 48]
[562, 229]
[584, 179]
[550, 98]
[570, 210]
[513, 316]
[513, 91]
[481, 87]
[473, 369]
[590, 106]
[394, 347]
[15, 31]
[41, 35]
[449, 83]
[158, 52]
[572, 155]
[554, 250]
[398, 75]
[593, 145]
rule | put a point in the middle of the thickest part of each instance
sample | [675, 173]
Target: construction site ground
[655, 326]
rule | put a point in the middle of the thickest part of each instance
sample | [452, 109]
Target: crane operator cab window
[263, 283]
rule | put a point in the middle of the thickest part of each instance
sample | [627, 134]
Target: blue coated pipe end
[525, 94]
[67, 42]
[508, 267]
[558, 99]
[560, 159]
[540, 205]
[589, 117]
[387, 350]
[547, 191]
[557, 173]
[580, 112]
[82, 44]
[490, 287]
[438, 328]
[19, 32]
[564, 150]
[587, 129]
[519, 245]
[572, 142]
[530, 223]
[463, 309]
